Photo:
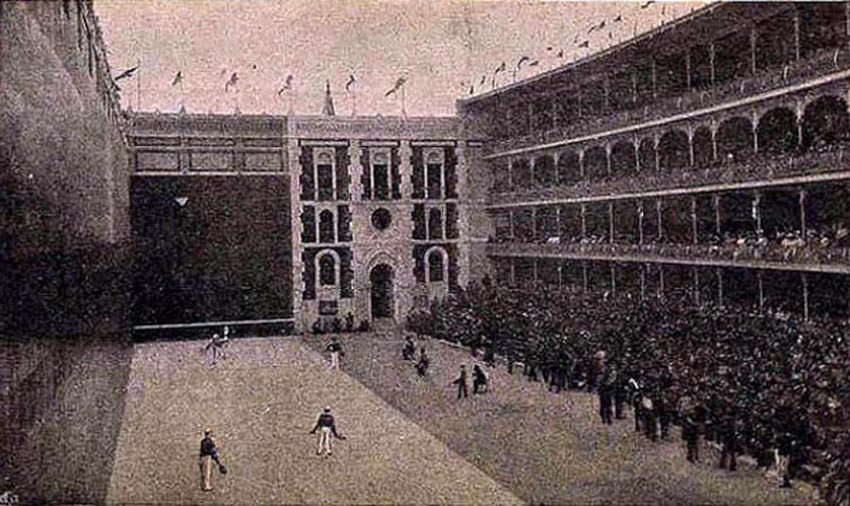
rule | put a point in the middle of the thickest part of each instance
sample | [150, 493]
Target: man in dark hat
[461, 383]
[327, 428]
[209, 453]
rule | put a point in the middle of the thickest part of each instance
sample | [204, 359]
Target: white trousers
[325, 437]
[334, 360]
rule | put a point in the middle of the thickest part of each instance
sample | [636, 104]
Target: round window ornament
[381, 219]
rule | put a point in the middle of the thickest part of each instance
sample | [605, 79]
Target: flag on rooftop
[178, 78]
[287, 85]
[647, 4]
[126, 74]
[350, 83]
[398, 84]
[501, 68]
[599, 26]
[561, 53]
[618, 18]
[234, 78]
[522, 60]
[483, 80]
[584, 44]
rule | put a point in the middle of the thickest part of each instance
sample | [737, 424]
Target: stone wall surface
[64, 255]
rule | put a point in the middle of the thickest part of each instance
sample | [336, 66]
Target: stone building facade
[378, 216]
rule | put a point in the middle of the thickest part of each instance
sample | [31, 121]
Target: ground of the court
[409, 440]
[261, 403]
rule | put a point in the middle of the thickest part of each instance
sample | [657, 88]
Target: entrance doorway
[382, 291]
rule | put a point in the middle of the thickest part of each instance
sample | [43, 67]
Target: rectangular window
[381, 182]
[326, 182]
[435, 171]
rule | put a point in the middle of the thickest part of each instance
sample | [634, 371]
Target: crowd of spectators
[782, 386]
[764, 166]
[768, 79]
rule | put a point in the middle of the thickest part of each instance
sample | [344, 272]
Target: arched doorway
[381, 292]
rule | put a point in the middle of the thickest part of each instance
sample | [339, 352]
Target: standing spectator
[637, 402]
[409, 349]
[647, 408]
[690, 433]
[479, 380]
[208, 455]
[423, 364]
[327, 428]
[336, 349]
[620, 395]
[606, 396]
[729, 430]
[662, 410]
[461, 383]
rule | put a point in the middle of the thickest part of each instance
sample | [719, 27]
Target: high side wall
[64, 229]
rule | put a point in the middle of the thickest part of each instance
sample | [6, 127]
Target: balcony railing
[766, 167]
[819, 63]
[789, 253]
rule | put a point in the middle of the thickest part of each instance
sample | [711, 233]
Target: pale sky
[437, 45]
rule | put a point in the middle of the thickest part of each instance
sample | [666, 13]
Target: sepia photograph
[424, 252]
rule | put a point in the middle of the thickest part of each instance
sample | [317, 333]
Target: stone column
[356, 170]
[406, 285]
[295, 224]
[464, 166]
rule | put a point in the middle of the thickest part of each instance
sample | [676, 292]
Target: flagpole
[182, 94]
[138, 84]
[354, 100]
[403, 110]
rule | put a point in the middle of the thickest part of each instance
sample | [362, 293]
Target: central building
[292, 222]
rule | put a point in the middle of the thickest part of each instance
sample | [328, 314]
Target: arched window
[327, 270]
[326, 226]
[435, 224]
[381, 175]
[436, 260]
[434, 175]
[325, 180]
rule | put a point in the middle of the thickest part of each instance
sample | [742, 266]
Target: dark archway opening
[382, 291]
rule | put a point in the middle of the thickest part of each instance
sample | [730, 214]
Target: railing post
[719, 287]
[696, 285]
[753, 44]
[694, 230]
[613, 279]
[640, 222]
[658, 216]
[583, 221]
[611, 222]
[805, 280]
[584, 276]
[803, 213]
[717, 227]
[760, 276]
[796, 32]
